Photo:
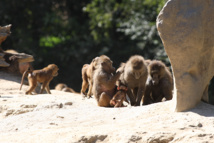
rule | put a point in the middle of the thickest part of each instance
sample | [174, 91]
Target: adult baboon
[159, 84]
[104, 81]
[87, 77]
[134, 77]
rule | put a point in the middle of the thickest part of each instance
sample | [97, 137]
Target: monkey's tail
[24, 75]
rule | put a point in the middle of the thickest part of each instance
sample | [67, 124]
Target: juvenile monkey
[60, 86]
[119, 97]
[159, 84]
[44, 76]
[104, 81]
[64, 87]
[68, 89]
[134, 77]
[87, 77]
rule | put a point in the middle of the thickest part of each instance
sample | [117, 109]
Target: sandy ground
[66, 117]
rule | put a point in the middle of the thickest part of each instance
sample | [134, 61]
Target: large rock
[186, 29]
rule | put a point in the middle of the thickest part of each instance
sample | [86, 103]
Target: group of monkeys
[141, 80]
[138, 80]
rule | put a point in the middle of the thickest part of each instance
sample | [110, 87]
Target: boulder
[186, 30]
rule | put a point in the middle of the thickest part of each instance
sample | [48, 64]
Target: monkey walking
[43, 76]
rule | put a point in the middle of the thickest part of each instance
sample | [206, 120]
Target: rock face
[186, 29]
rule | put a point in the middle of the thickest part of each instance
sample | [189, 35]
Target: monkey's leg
[48, 89]
[84, 87]
[90, 89]
[32, 85]
[139, 96]
[104, 100]
[131, 97]
[30, 90]
[43, 87]
[147, 96]
[167, 92]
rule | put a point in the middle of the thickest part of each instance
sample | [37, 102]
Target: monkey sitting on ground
[159, 84]
[44, 76]
[104, 81]
[60, 86]
[134, 77]
[87, 77]
[64, 87]
[119, 97]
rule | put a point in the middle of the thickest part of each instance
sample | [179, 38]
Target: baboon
[134, 77]
[44, 76]
[159, 84]
[68, 89]
[64, 87]
[104, 81]
[87, 77]
[60, 86]
[119, 97]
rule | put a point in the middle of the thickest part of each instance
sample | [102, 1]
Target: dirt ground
[68, 118]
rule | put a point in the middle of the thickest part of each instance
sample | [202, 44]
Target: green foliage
[71, 33]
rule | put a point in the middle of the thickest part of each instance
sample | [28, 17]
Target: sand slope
[65, 117]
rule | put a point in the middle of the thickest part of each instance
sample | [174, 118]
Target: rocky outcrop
[186, 29]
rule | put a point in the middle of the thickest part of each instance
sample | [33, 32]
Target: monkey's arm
[167, 90]
[148, 89]
[131, 96]
[111, 82]
[139, 94]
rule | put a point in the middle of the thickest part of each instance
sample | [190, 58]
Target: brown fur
[68, 89]
[104, 81]
[87, 77]
[60, 86]
[64, 87]
[119, 97]
[159, 84]
[44, 76]
[134, 77]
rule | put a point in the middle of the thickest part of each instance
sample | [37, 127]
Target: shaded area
[71, 33]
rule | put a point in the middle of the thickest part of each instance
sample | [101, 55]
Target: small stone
[68, 103]
[60, 105]
[200, 125]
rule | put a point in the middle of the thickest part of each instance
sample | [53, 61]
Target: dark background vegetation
[71, 33]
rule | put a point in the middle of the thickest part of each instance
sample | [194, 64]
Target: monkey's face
[156, 71]
[138, 74]
[107, 66]
[55, 72]
[155, 78]
[54, 69]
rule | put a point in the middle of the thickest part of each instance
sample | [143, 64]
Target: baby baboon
[159, 84]
[104, 81]
[119, 97]
[87, 77]
[44, 76]
[134, 77]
